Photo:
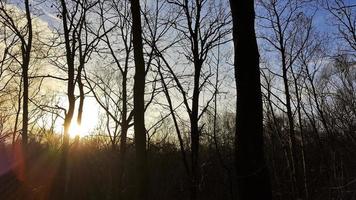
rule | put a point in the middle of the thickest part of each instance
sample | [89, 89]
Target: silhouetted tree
[26, 52]
[252, 171]
[139, 104]
[200, 26]
[284, 20]
[344, 13]
[24, 35]
[77, 50]
[114, 96]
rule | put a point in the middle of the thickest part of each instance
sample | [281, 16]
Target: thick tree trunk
[253, 175]
[139, 110]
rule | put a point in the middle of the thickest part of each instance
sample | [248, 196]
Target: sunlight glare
[75, 130]
[89, 120]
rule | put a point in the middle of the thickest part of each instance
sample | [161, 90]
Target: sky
[91, 108]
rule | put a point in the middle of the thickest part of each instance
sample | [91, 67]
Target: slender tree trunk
[26, 52]
[25, 104]
[70, 72]
[179, 135]
[121, 158]
[293, 145]
[194, 115]
[253, 176]
[124, 123]
[60, 188]
[279, 134]
[79, 75]
[215, 130]
[298, 98]
[26, 55]
[139, 101]
[14, 134]
[123, 137]
[81, 97]
[325, 148]
[194, 131]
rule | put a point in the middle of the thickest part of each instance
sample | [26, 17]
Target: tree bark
[194, 131]
[139, 109]
[26, 52]
[253, 176]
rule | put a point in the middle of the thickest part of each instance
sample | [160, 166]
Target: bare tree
[345, 20]
[199, 26]
[139, 103]
[253, 176]
[78, 43]
[25, 37]
[282, 21]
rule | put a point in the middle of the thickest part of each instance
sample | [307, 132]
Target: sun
[75, 130]
[89, 120]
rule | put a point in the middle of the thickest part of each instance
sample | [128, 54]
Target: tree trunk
[60, 188]
[194, 132]
[26, 52]
[70, 71]
[14, 134]
[253, 176]
[139, 110]
[174, 118]
[25, 103]
[293, 144]
[81, 97]
[298, 93]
